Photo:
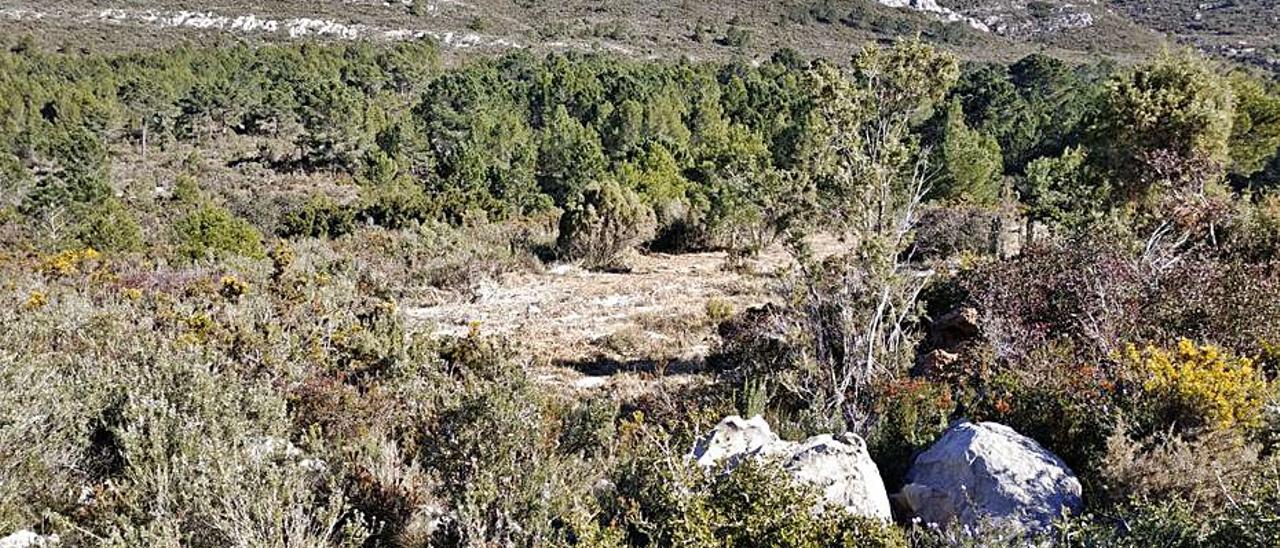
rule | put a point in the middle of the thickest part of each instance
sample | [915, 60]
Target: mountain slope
[977, 29]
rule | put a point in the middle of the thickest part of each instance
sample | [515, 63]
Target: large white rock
[932, 6]
[28, 539]
[839, 467]
[987, 471]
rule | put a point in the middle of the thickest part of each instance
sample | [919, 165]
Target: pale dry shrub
[127, 439]
[405, 262]
[1204, 471]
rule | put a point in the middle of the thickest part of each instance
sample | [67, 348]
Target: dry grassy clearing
[583, 327]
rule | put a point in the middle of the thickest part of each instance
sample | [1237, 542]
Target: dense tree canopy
[716, 150]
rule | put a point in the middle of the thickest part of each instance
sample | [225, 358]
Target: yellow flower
[36, 301]
[232, 287]
[68, 262]
[1223, 390]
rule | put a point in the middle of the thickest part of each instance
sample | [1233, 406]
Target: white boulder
[735, 438]
[839, 467]
[987, 471]
[28, 539]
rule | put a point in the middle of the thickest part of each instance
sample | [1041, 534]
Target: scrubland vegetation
[206, 255]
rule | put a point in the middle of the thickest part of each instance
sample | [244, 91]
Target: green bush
[606, 222]
[736, 37]
[319, 217]
[1169, 523]
[589, 427]
[398, 204]
[971, 162]
[1248, 520]
[212, 231]
[1254, 233]
[1175, 106]
[1058, 190]
[110, 227]
[133, 437]
[910, 415]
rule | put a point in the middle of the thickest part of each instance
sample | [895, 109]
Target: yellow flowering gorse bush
[68, 262]
[1223, 390]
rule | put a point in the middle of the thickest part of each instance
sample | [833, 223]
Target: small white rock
[28, 539]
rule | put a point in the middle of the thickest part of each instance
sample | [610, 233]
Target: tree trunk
[1030, 236]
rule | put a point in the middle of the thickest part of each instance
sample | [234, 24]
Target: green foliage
[1255, 131]
[906, 79]
[212, 231]
[608, 221]
[839, 319]
[156, 407]
[569, 157]
[1175, 105]
[79, 175]
[1060, 191]
[1248, 520]
[657, 178]
[145, 440]
[13, 176]
[912, 414]
[971, 162]
[590, 426]
[186, 190]
[1169, 523]
[321, 217]
[888, 90]
[111, 227]
[1254, 233]
[1034, 107]
[736, 37]
[493, 168]
[332, 118]
[488, 452]
[397, 204]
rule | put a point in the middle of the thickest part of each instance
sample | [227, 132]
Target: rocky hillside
[978, 29]
[1239, 30]
[1244, 30]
